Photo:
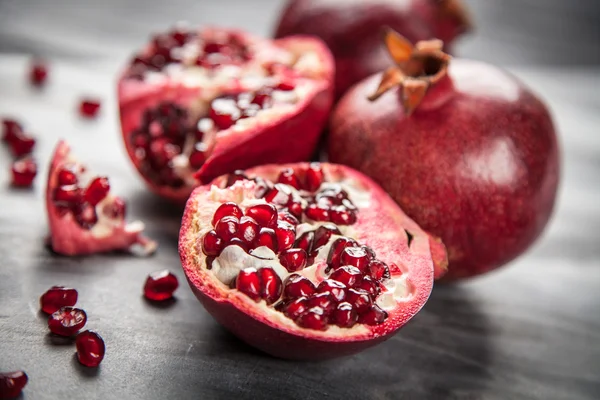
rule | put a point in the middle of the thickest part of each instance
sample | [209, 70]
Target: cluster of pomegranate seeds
[160, 285]
[57, 297]
[67, 321]
[263, 283]
[38, 72]
[24, 168]
[89, 108]
[90, 348]
[12, 383]
[23, 171]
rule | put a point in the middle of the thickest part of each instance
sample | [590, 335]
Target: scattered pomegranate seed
[264, 214]
[347, 274]
[335, 288]
[10, 129]
[12, 383]
[314, 318]
[228, 209]
[90, 348]
[67, 321]
[38, 72]
[314, 177]
[97, 190]
[23, 172]
[57, 297]
[89, 108]
[298, 286]
[160, 285]
[293, 259]
[344, 315]
[22, 144]
[227, 228]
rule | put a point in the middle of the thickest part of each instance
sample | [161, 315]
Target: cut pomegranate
[89, 107]
[160, 285]
[499, 194]
[57, 297]
[90, 348]
[196, 104]
[23, 172]
[336, 290]
[84, 217]
[67, 321]
[12, 383]
[38, 72]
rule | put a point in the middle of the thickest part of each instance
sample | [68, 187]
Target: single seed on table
[67, 321]
[160, 285]
[90, 348]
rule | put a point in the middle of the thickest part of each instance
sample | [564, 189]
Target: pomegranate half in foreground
[306, 261]
[84, 216]
[215, 100]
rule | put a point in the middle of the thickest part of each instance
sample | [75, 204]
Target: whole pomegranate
[463, 147]
[352, 29]
[306, 261]
[213, 100]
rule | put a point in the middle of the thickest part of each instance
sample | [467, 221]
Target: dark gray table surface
[528, 331]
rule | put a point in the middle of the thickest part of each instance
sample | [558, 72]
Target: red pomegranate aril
[378, 270]
[90, 348]
[228, 209]
[89, 108]
[305, 241]
[297, 286]
[85, 215]
[224, 112]
[295, 308]
[295, 209]
[23, 172]
[314, 318]
[355, 256]
[323, 234]
[323, 300]
[38, 73]
[334, 257]
[67, 321]
[347, 274]
[286, 235]
[314, 177]
[212, 244]
[342, 216]
[198, 157]
[373, 316]
[271, 286]
[289, 218]
[262, 98]
[369, 285]
[67, 195]
[227, 228]
[21, 144]
[161, 151]
[293, 259]
[344, 316]
[10, 130]
[285, 86]
[97, 190]
[248, 230]
[264, 214]
[67, 177]
[160, 285]
[280, 195]
[248, 282]
[12, 383]
[267, 237]
[335, 288]
[316, 213]
[57, 297]
[289, 177]
[360, 299]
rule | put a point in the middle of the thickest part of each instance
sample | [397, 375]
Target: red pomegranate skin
[352, 30]
[477, 163]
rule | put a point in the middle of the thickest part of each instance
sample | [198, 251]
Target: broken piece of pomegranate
[84, 216]
[321, 266]
[214, 100]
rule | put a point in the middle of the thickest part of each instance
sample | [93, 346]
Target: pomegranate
[214, 100]
[90, 348]
[160, 285]
[57, 297]
[84, 216]
[67, 321]
[463, 147]
[332, 289]
[12, 383]
[352, 29]
[23, 171]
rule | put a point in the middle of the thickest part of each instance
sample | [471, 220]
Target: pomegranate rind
[67, 237]
[381, 226]
[290, 136]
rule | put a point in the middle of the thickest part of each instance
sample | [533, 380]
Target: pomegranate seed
[262, 187]
[97, 190]
[12, 383]
[335, 288]
[90, 348]
[238, 242]
[314, 318]
[267, 237]
[228, 209]
[344, 315]
[314, 177]
[67, 321]
[11, 129]
[227, 228]
[286, 235]
[378, 270]
[23, 172]
[248, 230]
[342, 216]
[262, 98]
[57, 297]
[334, 257]
[289, 218]
[305, 241]
[316, 213]
[355, 256]
[370, 252]
[373, 316]
[279, 195]
[66, 177]
[333, 191]
[160, 285]
[347, 274]
[198, 156]
[298, 286]
[325, 202]
[289, 177]
[360, 299]
[224, 112]
[67, 195]
[21, 145]
[212, 244]
[323, 234]
[293, 259]
[180, 36]
[295, 308]
[369, 285]
[285, 86]
[89, 108]
[38, 73]
[323, 300]
[264, 214]
[248, 282]
[86, 216]
[295, 209]
[115, 209]
[213, 47]
[271, 285]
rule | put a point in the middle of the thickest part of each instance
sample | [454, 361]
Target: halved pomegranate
[214, 100]
[321, 266]
[84, 216]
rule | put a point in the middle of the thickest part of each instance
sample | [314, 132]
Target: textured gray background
[529, 331]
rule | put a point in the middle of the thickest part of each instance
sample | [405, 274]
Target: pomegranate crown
[417, 68]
